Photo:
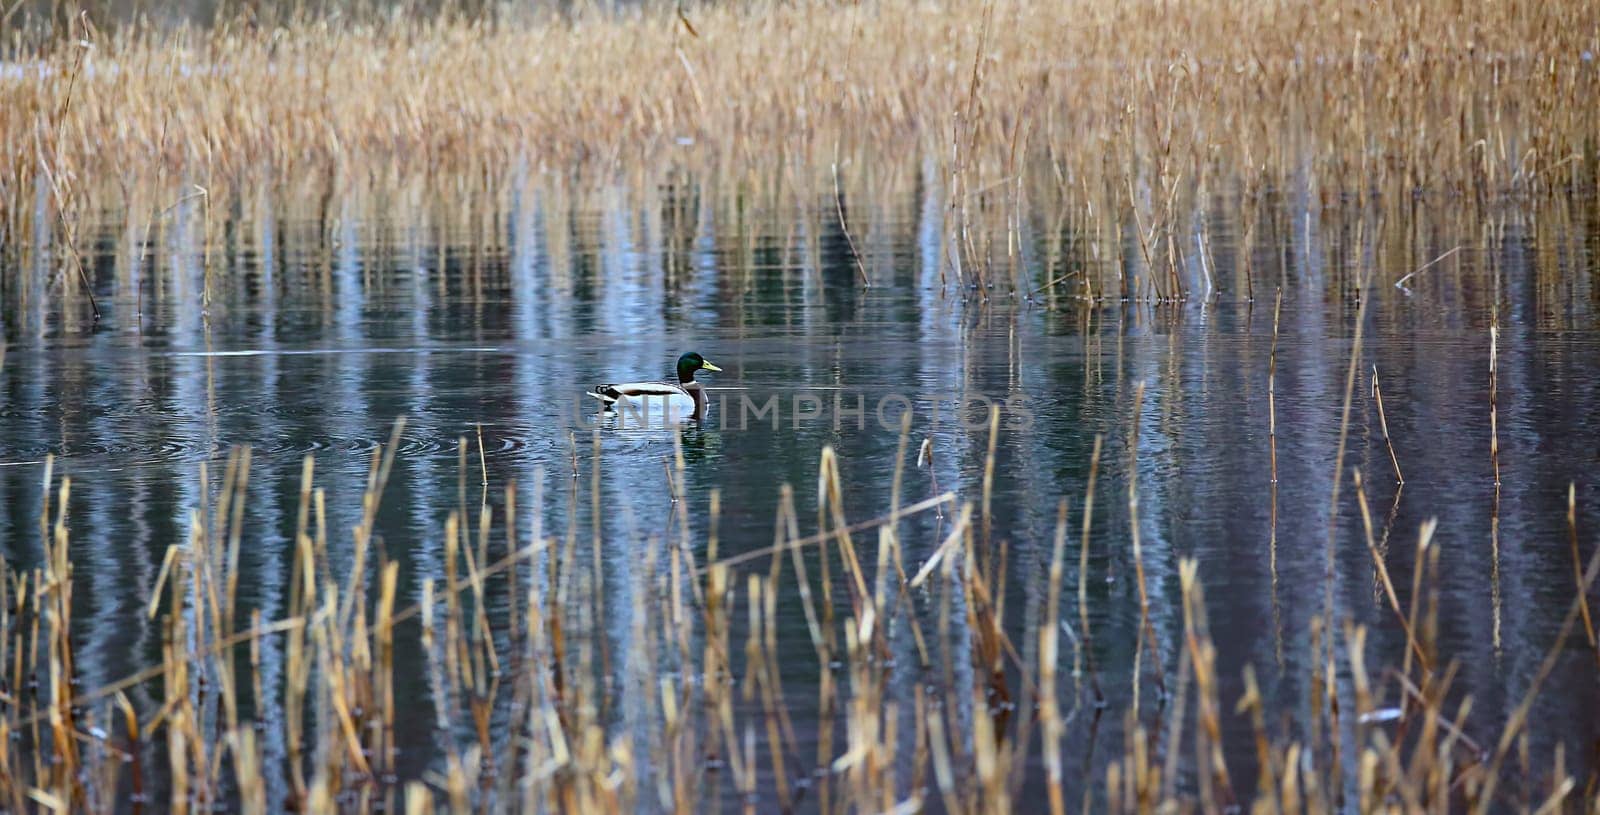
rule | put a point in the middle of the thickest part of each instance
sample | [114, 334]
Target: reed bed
[1125, 125]
[526, 700]
[1126, 116]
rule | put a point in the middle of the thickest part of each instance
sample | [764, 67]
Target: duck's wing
[610, 394]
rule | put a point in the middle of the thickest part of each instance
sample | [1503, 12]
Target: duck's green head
[691, 362]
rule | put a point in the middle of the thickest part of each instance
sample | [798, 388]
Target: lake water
[310, 337]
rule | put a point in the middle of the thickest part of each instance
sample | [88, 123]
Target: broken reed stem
[1383, 570]
[844, 226]
[1401, 283]
[812, 540]
[483, 465]
[1383, 422]
[1577, 562]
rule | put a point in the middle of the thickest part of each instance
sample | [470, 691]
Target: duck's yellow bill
[706, 364]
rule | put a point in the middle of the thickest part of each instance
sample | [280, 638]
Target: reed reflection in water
[307, 337]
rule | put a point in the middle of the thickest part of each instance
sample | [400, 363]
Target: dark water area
[309, 338]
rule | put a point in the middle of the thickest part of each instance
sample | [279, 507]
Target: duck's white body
[653, 402]
[660, 401]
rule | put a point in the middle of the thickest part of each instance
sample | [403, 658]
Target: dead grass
[1126, 114]
[525, 700]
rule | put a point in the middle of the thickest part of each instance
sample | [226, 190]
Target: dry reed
[1383, 424]
[526, 698]
[1127, 115]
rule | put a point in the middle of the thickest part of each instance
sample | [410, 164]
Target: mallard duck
[687, 399]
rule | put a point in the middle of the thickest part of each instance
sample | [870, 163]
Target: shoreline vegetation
[1128, 124]
[530, 699]
[1127, 117]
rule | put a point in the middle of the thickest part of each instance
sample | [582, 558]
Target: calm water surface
[311, 340]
